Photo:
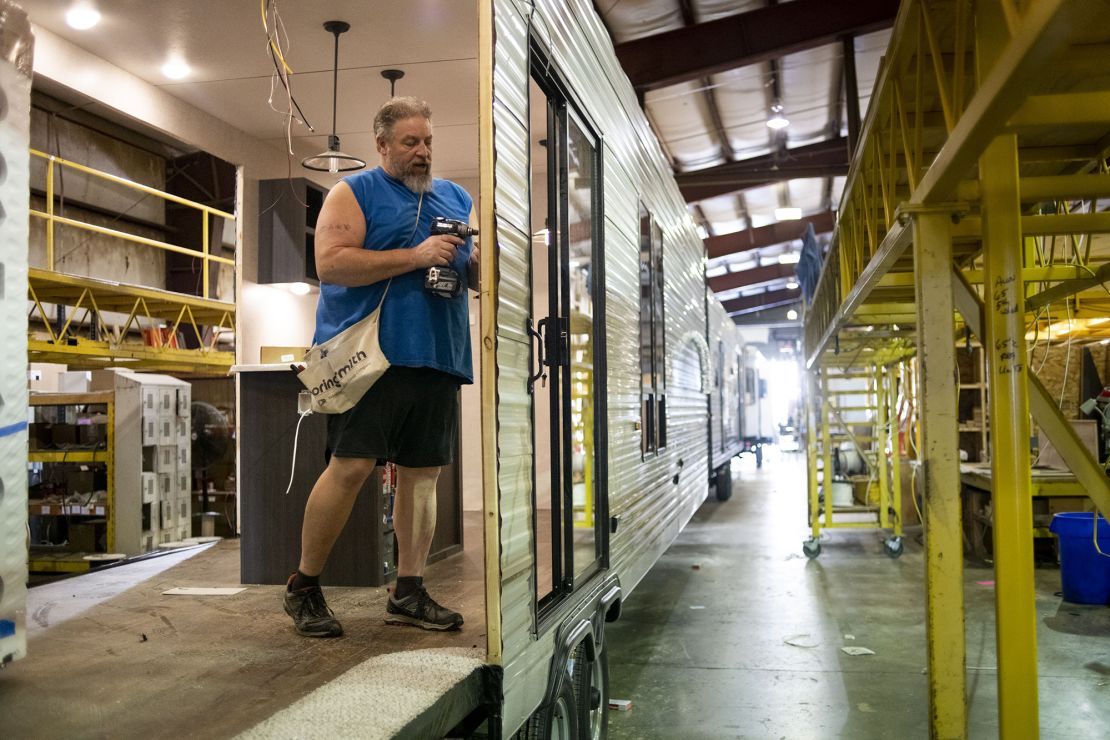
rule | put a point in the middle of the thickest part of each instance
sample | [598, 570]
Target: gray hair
[398, 109]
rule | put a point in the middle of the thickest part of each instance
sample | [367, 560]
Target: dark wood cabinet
[270, 543]
[288, 209]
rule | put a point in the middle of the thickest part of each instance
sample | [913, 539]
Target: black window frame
[653, 395]
[563, 108]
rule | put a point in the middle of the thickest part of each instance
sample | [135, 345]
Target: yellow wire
[270, 41]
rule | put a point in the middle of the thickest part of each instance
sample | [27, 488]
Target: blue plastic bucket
[1085, 573]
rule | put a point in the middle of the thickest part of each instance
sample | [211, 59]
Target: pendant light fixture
[333, 160]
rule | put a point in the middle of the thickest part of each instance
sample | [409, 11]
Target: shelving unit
[146, 461]
[45, 514]
[973, 412]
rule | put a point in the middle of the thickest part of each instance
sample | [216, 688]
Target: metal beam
[1061, 109]
[937, 401]
[747, 38]
[767, 236]
[1069, 288]
[1012, 485]
[823, 159]
[1027, 57]
[749, 278]
[770, 299]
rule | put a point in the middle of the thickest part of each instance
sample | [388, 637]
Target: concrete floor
[748, 643]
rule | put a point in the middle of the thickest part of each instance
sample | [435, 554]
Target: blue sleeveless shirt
[417, 329]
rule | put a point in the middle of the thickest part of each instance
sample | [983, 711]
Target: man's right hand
[435, 250]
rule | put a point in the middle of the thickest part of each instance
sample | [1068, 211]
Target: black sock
[300, 580]
[407, 585]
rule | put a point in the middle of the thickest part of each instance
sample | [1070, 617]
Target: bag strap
[415, 226]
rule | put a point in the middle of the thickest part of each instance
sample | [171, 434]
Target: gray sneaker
[311, 615]
[420, 609]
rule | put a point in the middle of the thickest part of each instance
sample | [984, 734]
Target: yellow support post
[811, 455]
[1012, 500]
[826, 448]
[204, 249]
[1004, 324]
[50, 214]
[893, 374]
[944, 576]
[881, 434]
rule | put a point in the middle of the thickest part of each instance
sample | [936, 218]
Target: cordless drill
[444, 281]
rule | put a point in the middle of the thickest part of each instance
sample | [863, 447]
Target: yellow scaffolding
[89, 338]
[968, 208]
[854, 436]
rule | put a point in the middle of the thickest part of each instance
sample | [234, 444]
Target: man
[372, 234]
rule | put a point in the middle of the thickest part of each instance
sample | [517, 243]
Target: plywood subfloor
[141, 664]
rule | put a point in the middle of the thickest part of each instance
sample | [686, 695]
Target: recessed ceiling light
[791, 315]
[82, 17]
[792, 285]
[176, 69]
[788, 214]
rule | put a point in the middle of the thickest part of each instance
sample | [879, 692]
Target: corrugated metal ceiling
[722, 118]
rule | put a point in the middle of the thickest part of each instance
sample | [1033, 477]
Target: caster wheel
[811, 548]
[893, 547]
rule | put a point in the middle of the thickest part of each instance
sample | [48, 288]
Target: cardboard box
[281, 355]
[42, 377]
[89, 535]
[105, 380]
[1047, 456]
[80, 480]
[74, 381]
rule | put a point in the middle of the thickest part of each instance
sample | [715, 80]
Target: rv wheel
[557, 721]
[723, 482]
[591, 691]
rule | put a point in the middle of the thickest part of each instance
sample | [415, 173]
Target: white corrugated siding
[651, 507]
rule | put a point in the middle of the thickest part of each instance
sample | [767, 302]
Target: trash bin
[1084, 572]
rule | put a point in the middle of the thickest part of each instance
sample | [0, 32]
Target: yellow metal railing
[51, 218]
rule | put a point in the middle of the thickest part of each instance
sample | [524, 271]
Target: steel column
[1012, 502]
[1007, 366]
[811, 454]
[944, 577]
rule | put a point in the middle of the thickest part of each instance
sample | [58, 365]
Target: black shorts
[409, 417]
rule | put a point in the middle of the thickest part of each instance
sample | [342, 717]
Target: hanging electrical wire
[276, 39]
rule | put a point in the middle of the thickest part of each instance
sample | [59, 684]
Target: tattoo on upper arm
[336, 227]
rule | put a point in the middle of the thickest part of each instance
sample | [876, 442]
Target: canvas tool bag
[339, 371]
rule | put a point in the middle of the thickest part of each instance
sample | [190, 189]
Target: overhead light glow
[82, 17]
[792, 315]
[777, 120]
[792, 285]
[176, 69]
[1104, 341]
[788, 214]
[299, 288]
[789, 258]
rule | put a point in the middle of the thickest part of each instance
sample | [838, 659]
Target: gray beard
[417, 183]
